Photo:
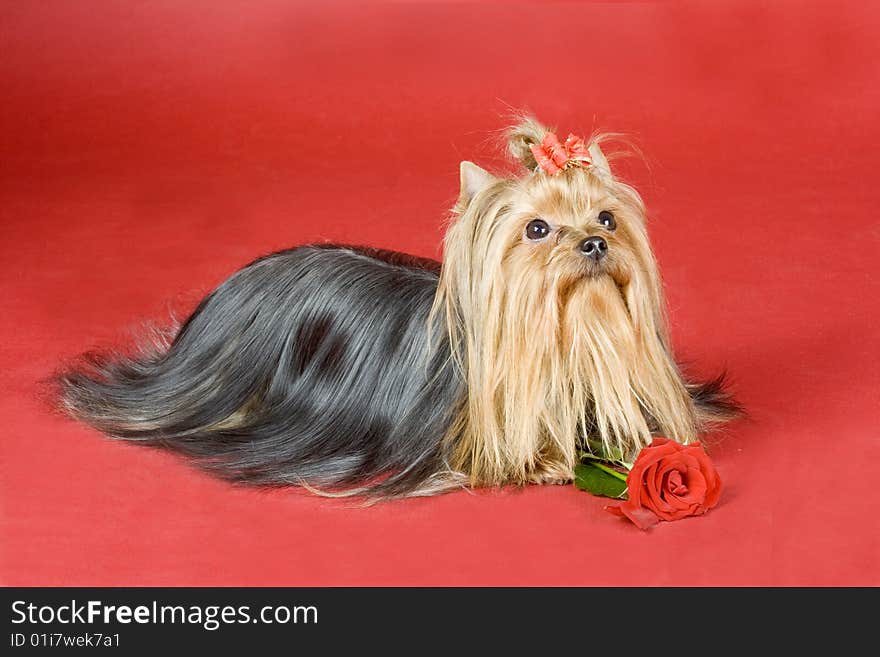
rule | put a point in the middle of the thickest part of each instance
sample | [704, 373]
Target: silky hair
[550, 354]
[359, 371]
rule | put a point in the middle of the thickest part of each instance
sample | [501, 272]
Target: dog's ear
[473, 180]
[598, 160]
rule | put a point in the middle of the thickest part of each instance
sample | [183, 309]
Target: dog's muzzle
[594, 248]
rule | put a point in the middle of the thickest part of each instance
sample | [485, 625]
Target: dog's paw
[552, 475]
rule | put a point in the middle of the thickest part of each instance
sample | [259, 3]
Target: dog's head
[553, 302]
[539, 238]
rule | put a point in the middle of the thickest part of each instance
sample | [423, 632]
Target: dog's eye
[607, 220]
[537, 229]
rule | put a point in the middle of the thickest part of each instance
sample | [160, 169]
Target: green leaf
[597, 452]
[598, 481]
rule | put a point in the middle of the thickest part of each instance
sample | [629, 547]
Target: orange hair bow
[553, 156]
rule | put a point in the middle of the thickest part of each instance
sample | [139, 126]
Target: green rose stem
[611, 471]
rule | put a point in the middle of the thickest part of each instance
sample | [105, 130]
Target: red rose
[669, 481]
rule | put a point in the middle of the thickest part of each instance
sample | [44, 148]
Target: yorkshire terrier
[359, 371]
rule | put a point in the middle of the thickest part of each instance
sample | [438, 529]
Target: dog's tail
[714, 403]
[306, 367]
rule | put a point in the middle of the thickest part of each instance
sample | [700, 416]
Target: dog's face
[578, 236]
[575, 228]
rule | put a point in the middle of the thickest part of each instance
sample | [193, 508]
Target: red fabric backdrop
[150, 149]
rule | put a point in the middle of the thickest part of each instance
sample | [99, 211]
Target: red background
[147, 150]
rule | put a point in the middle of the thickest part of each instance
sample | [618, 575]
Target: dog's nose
[594, 248]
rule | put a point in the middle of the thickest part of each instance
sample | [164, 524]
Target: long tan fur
[554, 353]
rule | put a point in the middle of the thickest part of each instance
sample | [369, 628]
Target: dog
[360, 371]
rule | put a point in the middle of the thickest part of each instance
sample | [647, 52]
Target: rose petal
[714, 492]
[713, 481]
[666, 448]
[696, 449]
[667, 465]
[657, 450]
[653, 497]
[699, 456]
[696, 491]
[684, 512]
[641, 518]
[665, 504]
[677, 502]
[675, 483]
[657, 473]
[689, 460]
[697, 486]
